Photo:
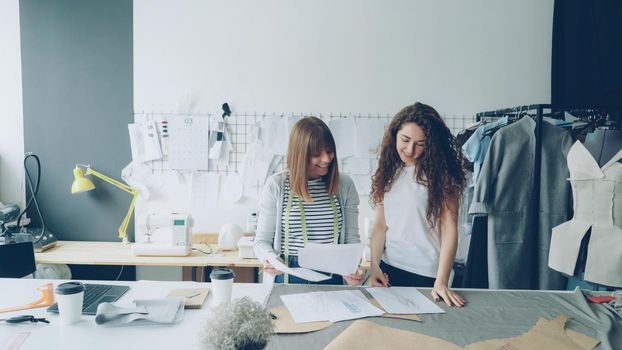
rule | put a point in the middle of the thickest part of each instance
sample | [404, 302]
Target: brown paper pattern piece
[284, 322]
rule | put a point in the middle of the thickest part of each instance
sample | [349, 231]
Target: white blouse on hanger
[597, 194]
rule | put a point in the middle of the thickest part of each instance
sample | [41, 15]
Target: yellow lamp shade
[81, 183]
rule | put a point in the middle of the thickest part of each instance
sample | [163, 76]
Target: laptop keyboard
[93, 292]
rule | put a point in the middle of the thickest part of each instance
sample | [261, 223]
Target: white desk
[116, 253]
[88, 335]
[488, 314]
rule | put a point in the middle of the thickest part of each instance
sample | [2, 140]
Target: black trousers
[401, 278]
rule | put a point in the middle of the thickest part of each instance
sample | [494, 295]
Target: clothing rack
[593, 116]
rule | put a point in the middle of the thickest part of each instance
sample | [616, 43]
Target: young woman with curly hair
[416, 190]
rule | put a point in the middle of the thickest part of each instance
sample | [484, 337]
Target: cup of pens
[222, 285]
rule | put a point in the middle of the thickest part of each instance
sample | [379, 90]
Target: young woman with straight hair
[310, 202]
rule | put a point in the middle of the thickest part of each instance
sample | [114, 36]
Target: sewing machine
[163, 235]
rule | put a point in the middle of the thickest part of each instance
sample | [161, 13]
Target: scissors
[24, 318]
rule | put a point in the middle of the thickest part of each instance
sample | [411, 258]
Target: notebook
[95, 294]
[193, 297]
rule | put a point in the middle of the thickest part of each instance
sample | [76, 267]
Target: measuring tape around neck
[303, 224]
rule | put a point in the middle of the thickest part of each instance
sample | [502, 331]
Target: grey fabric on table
[166, 311]
[488, 314]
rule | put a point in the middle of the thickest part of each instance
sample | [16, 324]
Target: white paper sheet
[216, 126]
[358, 166]
[205, 191]
[219, 141]
[225, 152]
[301, 272]
[274, 135]
[362, 184]
[329, 306]
[140, 176]
[404, 300]
[344, 132]
[188, 142]
[369, 134]
[216, 149]
[232, 188]
[254, 170]
[342, 259]
[274, 165]
[144, 141]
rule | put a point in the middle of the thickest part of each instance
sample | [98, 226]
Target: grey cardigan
[504, 191]
[268, 233]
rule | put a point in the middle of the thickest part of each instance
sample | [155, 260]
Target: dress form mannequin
[603, 144]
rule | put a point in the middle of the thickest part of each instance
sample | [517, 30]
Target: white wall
[350, 56]
[341, 56]
[11, 115]
[312, 57]
[315, 57]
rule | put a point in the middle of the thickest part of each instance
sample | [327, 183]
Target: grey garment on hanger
[517, 249]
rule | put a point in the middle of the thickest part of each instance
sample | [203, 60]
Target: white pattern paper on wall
[254, 170]
[274, 135]
[344, 133]
[369, 134]
[205, 191]
[188, 142]
[144, 141]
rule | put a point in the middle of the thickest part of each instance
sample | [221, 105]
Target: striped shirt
[318, 216]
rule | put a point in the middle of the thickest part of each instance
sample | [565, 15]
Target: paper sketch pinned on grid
[188, 142]
[144, 141]
[205, 191]
[369, 134]
[140, 176]
[255, 169]
[268, 142]
[220, 141]
[358, 166]
[344, 132]
[274, 135]
[232, 188]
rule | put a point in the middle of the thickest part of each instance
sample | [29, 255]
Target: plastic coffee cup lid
[221, 274]
[69, 288]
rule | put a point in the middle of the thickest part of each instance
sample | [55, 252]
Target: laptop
[95, 294]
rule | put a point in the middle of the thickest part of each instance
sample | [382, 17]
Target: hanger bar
[588, 113]
[512, 110]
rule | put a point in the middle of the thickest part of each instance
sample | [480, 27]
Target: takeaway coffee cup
[69, 297]
[222, 284]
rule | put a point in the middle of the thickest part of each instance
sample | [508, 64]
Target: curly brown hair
[439, 169]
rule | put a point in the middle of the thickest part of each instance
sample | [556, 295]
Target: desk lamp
[83, 184]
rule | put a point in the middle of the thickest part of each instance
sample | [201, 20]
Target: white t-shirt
[411, 244]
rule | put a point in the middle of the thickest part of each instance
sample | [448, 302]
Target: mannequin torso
[603, 144]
